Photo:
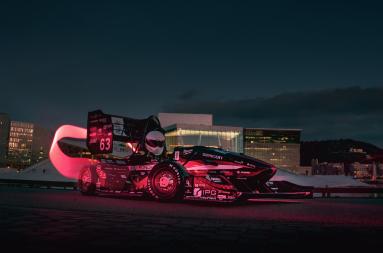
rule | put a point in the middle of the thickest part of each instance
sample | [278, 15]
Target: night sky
[316, 65]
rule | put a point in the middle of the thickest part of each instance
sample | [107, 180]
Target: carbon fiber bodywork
[209, 174]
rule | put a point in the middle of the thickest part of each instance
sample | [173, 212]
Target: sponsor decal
[188, 183]
[217, 157]
[188, 192]
[210, 192]
[187, 151]
[197, 192]
[118, 126]
[177, 155]
[213, 179]
[120, 149]
[205, 193]
[121, 162]
[141, 167]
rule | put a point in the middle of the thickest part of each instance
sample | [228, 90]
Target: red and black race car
[128, 156]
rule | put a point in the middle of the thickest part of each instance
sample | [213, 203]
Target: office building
[20, 144]
[225, 137]
[280, 147]
[26, 144]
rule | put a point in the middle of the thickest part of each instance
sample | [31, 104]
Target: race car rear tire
[87, 181]
[166, 182]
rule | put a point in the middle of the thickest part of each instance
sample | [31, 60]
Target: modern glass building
[20, 143]
[225, 137]
[280, 147]
[27, 144]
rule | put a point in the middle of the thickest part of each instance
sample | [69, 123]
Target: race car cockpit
[124, 138]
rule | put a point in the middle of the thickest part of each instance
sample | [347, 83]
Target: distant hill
[335, 151]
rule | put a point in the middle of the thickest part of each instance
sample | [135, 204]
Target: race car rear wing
[116, 135]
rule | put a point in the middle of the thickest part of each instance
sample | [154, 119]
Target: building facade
[328, 169]
[25, 144]
[225, 137]
[20, 144]
[280, 147]
[4, 135]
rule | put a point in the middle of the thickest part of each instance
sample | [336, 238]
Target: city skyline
[226, 120]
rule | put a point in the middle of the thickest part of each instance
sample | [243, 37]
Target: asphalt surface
[65, 221]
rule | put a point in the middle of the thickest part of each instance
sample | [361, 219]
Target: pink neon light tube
[69, 167]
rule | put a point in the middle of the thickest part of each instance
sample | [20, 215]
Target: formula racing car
[128, 156]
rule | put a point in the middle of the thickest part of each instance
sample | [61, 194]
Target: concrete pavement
[57, 220]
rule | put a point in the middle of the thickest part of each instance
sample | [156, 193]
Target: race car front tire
[166, 182]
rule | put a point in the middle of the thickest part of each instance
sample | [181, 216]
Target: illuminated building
[184, 129]
[280, 147]
[27, 144]
[20, 143]
[328, 169]
[4, 134]
[225, 137]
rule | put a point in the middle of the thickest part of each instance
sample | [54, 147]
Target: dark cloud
[333, 113]
[187, 95]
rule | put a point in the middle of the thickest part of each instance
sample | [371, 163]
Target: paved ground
[65, 221]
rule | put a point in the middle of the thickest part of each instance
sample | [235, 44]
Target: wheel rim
[165, 182]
